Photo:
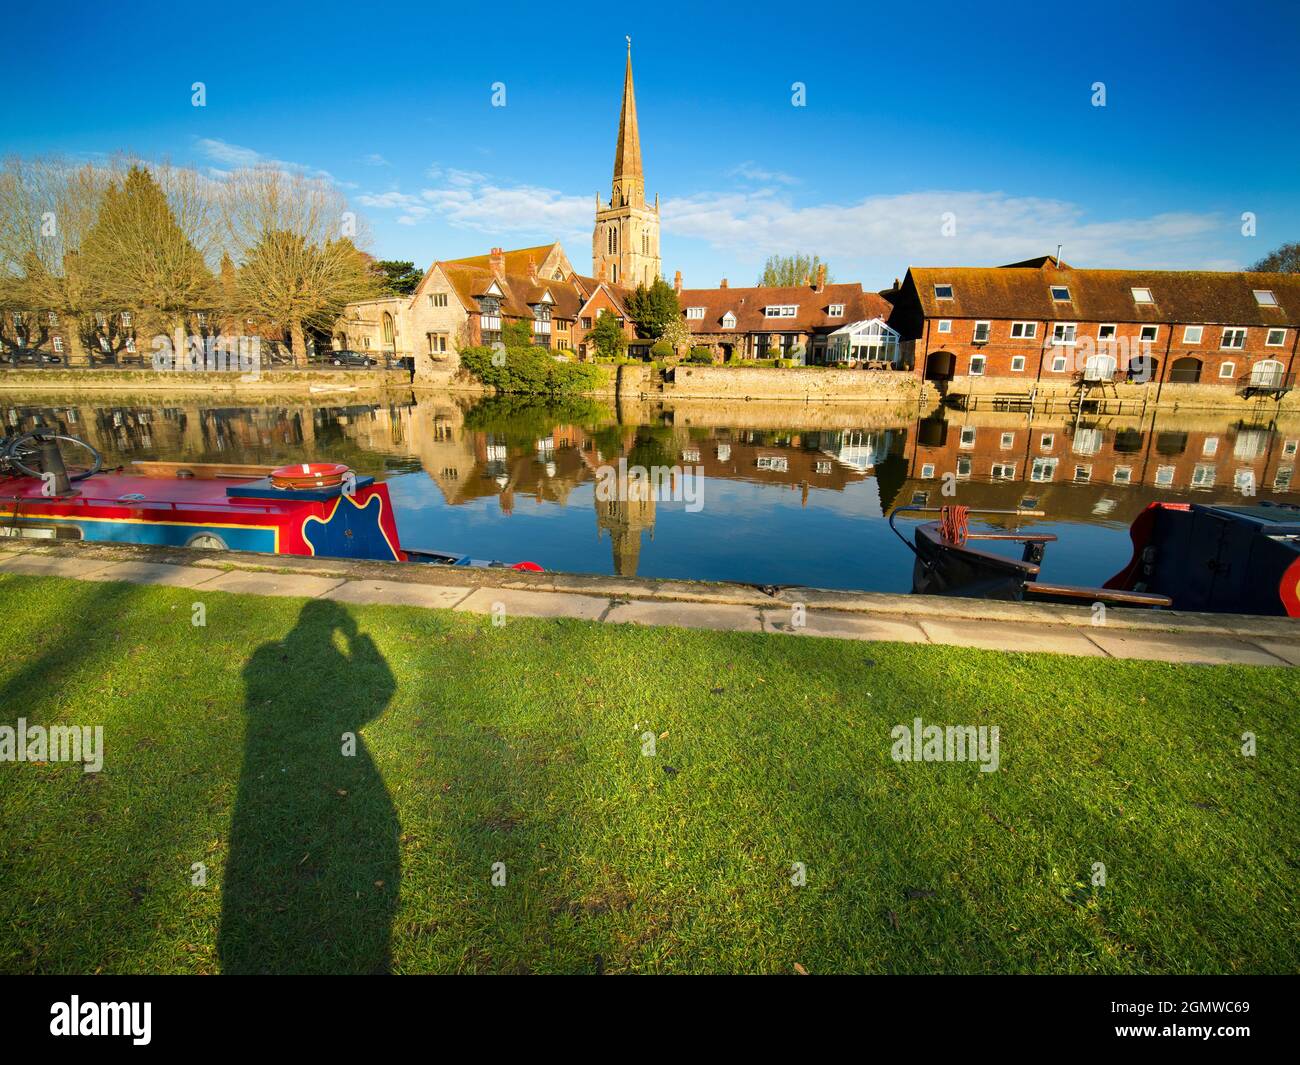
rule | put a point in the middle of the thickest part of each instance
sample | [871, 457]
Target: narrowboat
[1217, 558]
[314, 509]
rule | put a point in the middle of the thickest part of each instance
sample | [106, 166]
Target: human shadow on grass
[311, 881]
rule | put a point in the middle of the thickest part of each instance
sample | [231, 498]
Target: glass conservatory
[862, 343]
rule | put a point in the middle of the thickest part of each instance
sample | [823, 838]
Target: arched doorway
[939, 366]
[1185, 371]
[1099, 368]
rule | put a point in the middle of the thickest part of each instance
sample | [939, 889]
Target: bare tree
[294, 240]
[47, 206]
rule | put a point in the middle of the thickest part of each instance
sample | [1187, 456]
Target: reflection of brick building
[1122, 462]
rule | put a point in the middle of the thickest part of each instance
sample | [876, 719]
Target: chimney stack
[821, 277]
[722, 283]
[677, 282]
[532, 267]
[498, 262]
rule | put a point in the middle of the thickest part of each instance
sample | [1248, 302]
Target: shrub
[530, 370]
[700, 356]
[662, 350]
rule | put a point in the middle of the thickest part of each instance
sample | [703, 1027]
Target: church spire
[629, 180]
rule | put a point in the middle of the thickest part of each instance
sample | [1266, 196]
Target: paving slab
[1007, 637]
[845, 626]
[264, 583]
[55, 566]
[535, 604]
[397, 593]
[1183, 647]
[154, 573]
[1287, 650]
[724, 617]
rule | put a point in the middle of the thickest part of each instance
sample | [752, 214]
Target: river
[789, 493]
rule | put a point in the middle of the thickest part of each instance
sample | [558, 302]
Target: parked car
[348, 358]
[33, 357]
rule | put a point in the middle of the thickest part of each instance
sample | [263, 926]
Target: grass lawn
[523, 745]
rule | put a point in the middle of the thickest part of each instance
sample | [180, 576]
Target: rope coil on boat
[306, 475]
[954, 524]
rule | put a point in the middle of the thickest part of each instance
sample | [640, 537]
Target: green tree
[652, 309]
[782, 271]
[395, 277]
[1283, 260]
[608, 336]
[145, 250]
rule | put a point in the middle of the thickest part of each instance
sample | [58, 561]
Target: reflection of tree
[519, 421]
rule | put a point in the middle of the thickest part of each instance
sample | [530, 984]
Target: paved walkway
[1163, 636]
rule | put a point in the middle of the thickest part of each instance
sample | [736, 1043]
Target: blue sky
[984, 111]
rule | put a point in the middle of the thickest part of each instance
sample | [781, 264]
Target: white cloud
[751, 171]
[872, 239]
[990, 228]
[471, 200]
[375, 159]
[238, 155]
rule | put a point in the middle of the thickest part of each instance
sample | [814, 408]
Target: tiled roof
[748, 304]
[1107, 295]
[519, 291]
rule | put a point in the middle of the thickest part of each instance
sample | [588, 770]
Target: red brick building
[1043, 323]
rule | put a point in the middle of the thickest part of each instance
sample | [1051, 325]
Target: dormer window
[836, 310]
[1060, 294]
[728, 321]
[943, 292]
[1142, 295]
[1265, 298]
[784, 310]
[695, 312]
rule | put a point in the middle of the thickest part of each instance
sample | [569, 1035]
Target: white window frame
[1083, 473]
[1227, 369]
[939, 296]
[835, 310]
[1281, 341]
[1114, 331]
[1006, 441]
[1238, 332]
[1150, 297]
[1142, 334]
[964, 442]
[1187, 334]
[1017, 359]
[944, 326]
[1203, 474]
[1122, 475]
[1059, 363]
[1043, 470]
[781, 310]
[1165, 476]
[58, 344]
[728, 321]
[975, 371]
[1046, 442]
[1054, 289]
[927, 471]
[1028, 330]
[695, 313]
[1265, 298]
[1073, 327]
[1210, 447]
[1003, 471]
[975, 337]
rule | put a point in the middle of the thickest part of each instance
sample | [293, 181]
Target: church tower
[625, 243]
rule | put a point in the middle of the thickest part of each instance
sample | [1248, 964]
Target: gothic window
[613, 240]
